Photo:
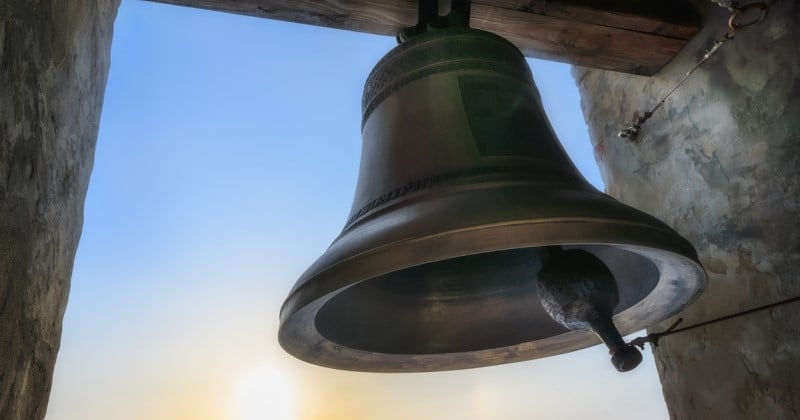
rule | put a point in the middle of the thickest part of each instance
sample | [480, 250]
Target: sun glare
[263, 393]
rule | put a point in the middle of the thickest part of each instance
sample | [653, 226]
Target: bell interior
[464, 304]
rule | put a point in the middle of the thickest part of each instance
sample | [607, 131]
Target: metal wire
[632, 131]
[653, 338]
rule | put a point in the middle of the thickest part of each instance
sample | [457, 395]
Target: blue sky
[226, 163]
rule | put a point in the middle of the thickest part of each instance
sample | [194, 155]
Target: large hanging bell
[462, 187]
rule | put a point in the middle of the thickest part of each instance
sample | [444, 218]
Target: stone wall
[721, 164]
[54, 58]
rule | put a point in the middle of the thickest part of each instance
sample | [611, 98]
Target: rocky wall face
[54, 58]
[721, 164]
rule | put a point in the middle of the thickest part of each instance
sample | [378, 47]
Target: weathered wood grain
[620, 35]
[669, 19]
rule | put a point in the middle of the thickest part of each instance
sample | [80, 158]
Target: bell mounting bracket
[428, 18]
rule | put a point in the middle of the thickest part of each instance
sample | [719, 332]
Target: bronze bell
[462, 188]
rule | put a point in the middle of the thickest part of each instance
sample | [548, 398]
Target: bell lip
[299, 336]
[519, 226]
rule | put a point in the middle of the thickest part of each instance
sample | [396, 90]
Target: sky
[225, 165]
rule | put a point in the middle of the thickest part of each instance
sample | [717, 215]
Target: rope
[653, 338]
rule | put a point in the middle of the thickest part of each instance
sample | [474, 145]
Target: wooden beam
[621, 35]
[671, 19]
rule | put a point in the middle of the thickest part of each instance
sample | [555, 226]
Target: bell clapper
[578, 291]
[624, 356]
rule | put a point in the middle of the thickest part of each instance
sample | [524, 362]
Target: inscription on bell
[391, 195]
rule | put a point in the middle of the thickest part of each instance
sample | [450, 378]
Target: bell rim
[603, 222]
[298, 334]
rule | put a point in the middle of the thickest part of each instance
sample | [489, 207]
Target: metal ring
[743, 10]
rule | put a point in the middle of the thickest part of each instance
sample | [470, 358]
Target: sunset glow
[226, 163]
[263, 392]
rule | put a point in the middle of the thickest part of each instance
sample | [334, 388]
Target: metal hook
[740, 11]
